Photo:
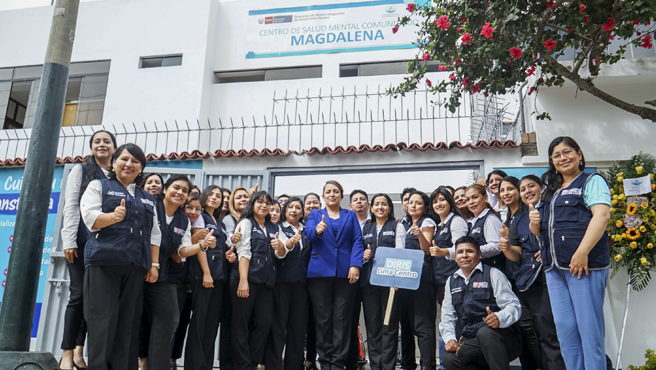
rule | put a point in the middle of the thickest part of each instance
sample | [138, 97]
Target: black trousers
[204, 325]
[311, 337]
[332, 301]
[110, 297]
[248, 342]
[160, 319]
[408, 360]
[536, 298]
[75, 328]
[226, 358]
[382, 340]
[491, 349]
[354, 348]
[422, 309]
[288, 327]
[184, 307]
[531, 352]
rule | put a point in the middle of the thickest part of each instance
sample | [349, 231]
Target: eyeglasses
[460, 343]
[193, 210]
[567, 153]
[282, 201]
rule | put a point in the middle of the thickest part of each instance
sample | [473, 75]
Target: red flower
[646, 42]
[569, 29]
[610, 23]
[425, 57]
[638, 33]
[411, 7]
[582, 8]
[530, 71]
[487, 31]
[550, 4]
[395, 29]
[611, 37]
[635, 22]
[442, 68]
[466, 38]
[443, 22]
[476, 89]
[452, 77]
[516, 53]
[586, 19]
[464, 20]
[550, 44]
[429, 83]
[458, 60]
[464, 81]
[530, 91]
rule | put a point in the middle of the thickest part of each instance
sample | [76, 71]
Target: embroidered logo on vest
[117, 193]
[575, 191]
[178, 231]
[479, 284]
[456, 290]
[386, 233]
[368, 236]
[147, 201]
[476, 230]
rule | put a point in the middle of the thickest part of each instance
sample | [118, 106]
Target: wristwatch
[200, 245]
[156, 265]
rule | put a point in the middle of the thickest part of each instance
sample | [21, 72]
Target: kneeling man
[479, 298]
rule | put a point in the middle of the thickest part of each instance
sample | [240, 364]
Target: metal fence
[300, 121]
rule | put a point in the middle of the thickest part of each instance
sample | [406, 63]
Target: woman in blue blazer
[333, 272]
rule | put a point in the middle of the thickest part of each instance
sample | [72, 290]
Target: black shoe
[174, 365]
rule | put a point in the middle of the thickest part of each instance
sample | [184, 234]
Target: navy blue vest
[529, 268]
[478, 232]
[126, 242]
[386, 238]
[564, 219]
[443, 268]
[215, 256]
[471, 300]
[412, 242]
[262, 268]
[171, 237]
[82, 231]
[293, 268]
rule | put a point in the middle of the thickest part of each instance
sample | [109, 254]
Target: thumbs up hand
[533, 215]
[491, 320]
[434, 250]
[277, 244]
[321, 227]
[291, 242]
[210, 240]
[230, 255]
[367, 253]
[504, 245]
[253, 190]
[414, 228]
[119, 212]
[236, 237]
[481, 181]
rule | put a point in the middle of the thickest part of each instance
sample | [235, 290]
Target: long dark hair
[89, 169]
[206, 194]
[514, 182]
[483, 192]
[250, 207]
[552, 178]
[159, 194]
[137, 153]
[426, 201]
[283, 213]
[174, 178]
[443, 191]
[467, 214]
[390, 215]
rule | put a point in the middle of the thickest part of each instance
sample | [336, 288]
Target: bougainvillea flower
[452, 77]
[395, 29]
[550, 4]
[411, 7]
[550, 44]
[610, 23]
[466, 38]
[516, 53]
[443, 22]
[487, 31]
[582, 8]
[442, 67]
[425, 57]
[429, 83]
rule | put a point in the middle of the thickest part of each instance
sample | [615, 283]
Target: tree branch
[643, 112]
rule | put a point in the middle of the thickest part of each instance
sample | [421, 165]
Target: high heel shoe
[77, 367]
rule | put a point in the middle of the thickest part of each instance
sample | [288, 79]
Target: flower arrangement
[632, 226]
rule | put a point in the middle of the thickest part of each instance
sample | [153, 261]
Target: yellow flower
[620, 174]
[615, 196]
[644, 205]
[650, 246]
[624, 235]
[653, 186]
[653, 227]
[619, 223]
[612, 192]
[645, 219]
[618, 257]
[652, 213]
[620, 179]
[612, 210]
[640, 170]
[622, 197]
[633, 245]
[632, 234]
[644, 262]
[643, 229]
[631, 209]
[613, 202]
[651, 176]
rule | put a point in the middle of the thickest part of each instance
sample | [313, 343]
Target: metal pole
[626, 315]
[25, 261]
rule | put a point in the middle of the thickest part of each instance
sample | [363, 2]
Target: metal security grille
[231, 180]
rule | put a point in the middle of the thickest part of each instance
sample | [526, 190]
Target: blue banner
[398, 268]
[11, 180]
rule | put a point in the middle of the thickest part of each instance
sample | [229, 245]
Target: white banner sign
[329, 28]
[637, 186]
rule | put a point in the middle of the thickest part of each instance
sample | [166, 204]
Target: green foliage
[493, 46]
[649, 365]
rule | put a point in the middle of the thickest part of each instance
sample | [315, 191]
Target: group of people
[518, 268]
